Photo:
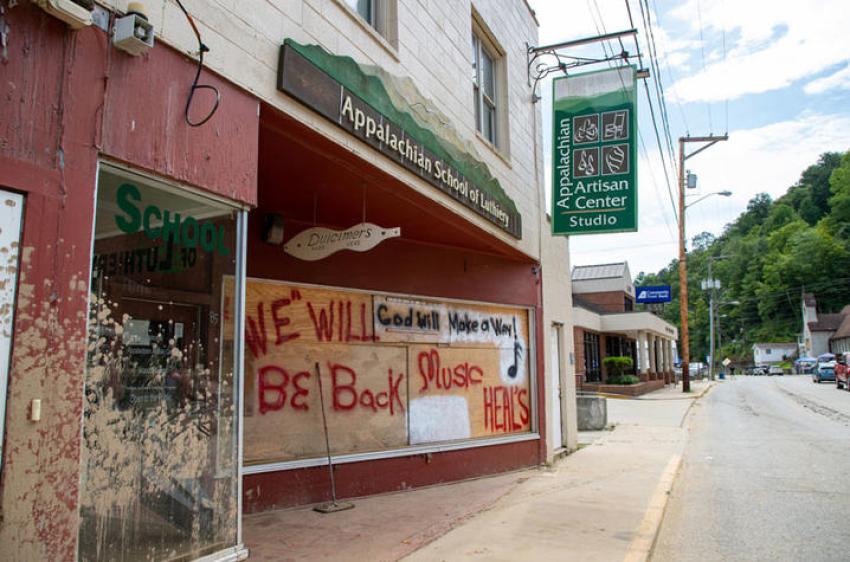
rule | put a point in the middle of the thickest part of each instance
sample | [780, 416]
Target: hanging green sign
[594, 180]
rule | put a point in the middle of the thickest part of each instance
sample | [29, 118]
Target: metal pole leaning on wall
[334, 505]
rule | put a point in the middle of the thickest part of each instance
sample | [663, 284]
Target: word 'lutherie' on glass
[615, 125]
[586, 128]
[615, 159]
[586, 162]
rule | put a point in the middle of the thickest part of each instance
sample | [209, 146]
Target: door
[557, 437]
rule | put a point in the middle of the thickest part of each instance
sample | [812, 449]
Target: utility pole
[683, 267]
[711, 284]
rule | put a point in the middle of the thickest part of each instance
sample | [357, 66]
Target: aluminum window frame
[236, 551]
[6, 366]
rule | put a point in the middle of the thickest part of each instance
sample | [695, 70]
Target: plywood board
[365, 395]
[400, 319]
[396, 370]
[461, 393]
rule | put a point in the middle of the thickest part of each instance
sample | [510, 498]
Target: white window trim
[497, 54]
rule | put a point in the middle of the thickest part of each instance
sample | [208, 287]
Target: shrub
[617, 365]
[623, 379]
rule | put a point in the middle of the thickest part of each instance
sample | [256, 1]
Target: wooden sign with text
[317, 242]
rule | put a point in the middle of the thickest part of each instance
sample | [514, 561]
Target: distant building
[840, 341]
[605, 324]
[773, 353]
[824, 332]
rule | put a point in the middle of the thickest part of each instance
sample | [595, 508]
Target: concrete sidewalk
[603, 502]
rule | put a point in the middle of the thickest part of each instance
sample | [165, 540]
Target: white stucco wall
[777, 351]
[557, 308]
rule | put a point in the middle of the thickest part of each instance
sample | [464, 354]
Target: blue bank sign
[653, 294]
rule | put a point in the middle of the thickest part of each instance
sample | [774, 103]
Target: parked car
[824, 372]
[842, 375]
[775, 370]
[805, 365]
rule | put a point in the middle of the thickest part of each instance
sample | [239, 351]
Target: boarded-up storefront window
[159, 458]
[396, 371]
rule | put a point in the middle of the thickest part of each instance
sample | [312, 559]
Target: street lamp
[724, 193]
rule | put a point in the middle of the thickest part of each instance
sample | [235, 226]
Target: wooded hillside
[766, 259]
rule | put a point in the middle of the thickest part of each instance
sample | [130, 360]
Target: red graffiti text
[505, 408]
[462, 375]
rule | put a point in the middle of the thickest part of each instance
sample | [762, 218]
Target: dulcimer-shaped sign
[317, 243]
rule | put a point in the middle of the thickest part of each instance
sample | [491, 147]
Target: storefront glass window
[160, 474]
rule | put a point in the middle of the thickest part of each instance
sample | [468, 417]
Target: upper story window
[367, 10]
[380, 15]
[488, 86]
[628, 304]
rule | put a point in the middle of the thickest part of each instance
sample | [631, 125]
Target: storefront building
[606, 324]
[333, 247]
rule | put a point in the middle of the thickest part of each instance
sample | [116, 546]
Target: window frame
[483, 43]
[383, 23]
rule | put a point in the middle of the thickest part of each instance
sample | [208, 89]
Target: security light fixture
[133, 33]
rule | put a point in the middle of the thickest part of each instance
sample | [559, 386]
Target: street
[765, 475]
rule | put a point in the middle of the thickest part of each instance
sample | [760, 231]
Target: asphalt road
[765, 476]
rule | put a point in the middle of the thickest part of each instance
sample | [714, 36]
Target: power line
[673, 80]
[646, 16]
[702, 51]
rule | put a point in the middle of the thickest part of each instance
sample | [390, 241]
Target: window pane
[474, 59]
[476, 101]
[159, 448]
[487, 78]
[365, 8]
[489, 123]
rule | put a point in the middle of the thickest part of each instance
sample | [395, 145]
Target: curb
[643, 543]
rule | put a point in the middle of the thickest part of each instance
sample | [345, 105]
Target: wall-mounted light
[73, 13]
[273, 229]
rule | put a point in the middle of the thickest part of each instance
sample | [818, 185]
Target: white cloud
[771, 44]
[837, 80]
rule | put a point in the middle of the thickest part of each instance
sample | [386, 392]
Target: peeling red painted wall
[66, 98]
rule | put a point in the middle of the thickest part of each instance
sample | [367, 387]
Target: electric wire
[646, 16]
[702, 51]
[195, 86]
[661, 145]
[673, 78]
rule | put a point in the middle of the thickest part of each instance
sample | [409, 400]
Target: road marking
[643, 542]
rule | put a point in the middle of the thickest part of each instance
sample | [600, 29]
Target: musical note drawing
[512, 370]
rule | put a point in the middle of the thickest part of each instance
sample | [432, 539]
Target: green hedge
[623, 379]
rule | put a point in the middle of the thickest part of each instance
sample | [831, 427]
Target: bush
[623, 379]
[616, 366]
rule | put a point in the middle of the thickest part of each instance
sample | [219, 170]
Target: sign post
[594, 181]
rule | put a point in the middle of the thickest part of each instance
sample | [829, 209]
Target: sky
[774, 74]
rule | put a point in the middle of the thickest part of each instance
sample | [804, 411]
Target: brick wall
[611, 301]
